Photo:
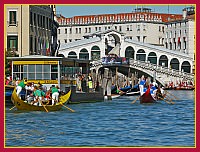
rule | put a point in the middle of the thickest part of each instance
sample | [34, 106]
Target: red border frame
[95, 2]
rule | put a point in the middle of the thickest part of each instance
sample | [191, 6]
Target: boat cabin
[48, 70]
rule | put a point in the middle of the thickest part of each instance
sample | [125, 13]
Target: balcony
[12, 23]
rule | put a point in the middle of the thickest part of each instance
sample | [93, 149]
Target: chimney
[184, 13]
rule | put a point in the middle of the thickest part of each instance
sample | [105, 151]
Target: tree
[9, 53]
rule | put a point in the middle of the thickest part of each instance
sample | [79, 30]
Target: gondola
[133, 91]
[8, 93]
[21, 105]
[147, 97]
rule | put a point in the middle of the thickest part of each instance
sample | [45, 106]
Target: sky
[81, 10]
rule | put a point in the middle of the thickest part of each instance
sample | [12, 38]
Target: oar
[165, 99]
[67, 107]
[12, 108]
[44, 107]
[172, 95]
[135, 100]
[64, 106]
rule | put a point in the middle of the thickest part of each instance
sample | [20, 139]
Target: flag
[47, 48]
[179, 40]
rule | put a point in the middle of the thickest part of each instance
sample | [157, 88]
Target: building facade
[172, 31]
[141, 25]
[29, 29]
[180, 34]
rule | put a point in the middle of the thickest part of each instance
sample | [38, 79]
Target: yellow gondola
[21, 105]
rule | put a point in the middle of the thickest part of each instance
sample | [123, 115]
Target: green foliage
[8, 53]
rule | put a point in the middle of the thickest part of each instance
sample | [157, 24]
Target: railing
[152, 67]
[161, 69]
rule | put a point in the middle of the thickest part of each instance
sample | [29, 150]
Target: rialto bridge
[155, 61]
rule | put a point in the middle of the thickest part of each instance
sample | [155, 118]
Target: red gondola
[147, 97]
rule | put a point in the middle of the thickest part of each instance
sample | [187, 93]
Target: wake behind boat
[21, 105]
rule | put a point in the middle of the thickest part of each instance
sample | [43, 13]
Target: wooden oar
[12, 108]
[135, 100]
[165, 99]
[64, 105]
[67, 107]
[172, 95]
[44, 107]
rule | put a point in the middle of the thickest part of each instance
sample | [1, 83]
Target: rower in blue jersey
[141, 84]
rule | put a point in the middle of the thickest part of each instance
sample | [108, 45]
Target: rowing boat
[21, 105]
[147, 97]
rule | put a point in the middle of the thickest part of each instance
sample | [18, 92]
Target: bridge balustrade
[142, 65]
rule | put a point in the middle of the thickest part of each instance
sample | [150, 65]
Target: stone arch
[72, 55]
[186, 67]
[129, 52]
[163, 61]
[84, 54]
[95, 53]
[141, 55]
[152, 57]
[174, 63]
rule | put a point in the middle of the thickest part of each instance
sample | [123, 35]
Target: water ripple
[109, 123]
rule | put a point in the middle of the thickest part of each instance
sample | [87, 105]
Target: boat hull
[131, 93]
[147, 97]
[113, 96]
[21, 105]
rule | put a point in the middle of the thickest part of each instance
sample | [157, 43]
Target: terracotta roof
[134, 16]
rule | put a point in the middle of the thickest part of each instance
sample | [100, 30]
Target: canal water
[108, 123]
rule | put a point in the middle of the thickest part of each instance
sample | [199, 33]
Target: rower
[141, 85]
[20, 86]
[55, 94]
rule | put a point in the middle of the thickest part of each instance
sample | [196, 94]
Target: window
[36, 72]
[79, 30]
[138, 27]
[144, 27]
[127, 28]
[138, 37]
[12, 17]
[131, 28]
[120, 28]
[144, 37]
[34, 18]
[30, 19]
[12, 43]
[31, 45]
[65, 40]
[47, 23]
[58, 31]
[66, 31]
